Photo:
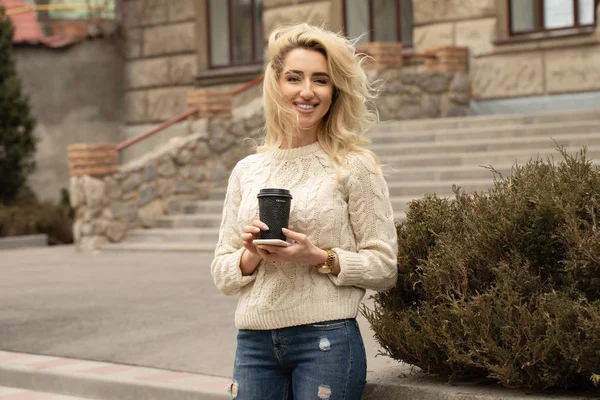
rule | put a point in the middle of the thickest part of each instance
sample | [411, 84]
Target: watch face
[324, 270]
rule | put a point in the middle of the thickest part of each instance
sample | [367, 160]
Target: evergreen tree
[17, 142]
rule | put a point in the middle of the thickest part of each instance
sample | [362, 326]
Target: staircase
[418, 157]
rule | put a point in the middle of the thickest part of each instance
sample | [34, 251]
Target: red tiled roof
[28, 29]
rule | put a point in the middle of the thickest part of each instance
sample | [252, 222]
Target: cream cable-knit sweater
[352, 215]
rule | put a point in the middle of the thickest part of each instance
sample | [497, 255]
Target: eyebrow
[301, 73]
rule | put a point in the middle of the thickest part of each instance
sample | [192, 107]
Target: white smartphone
[272, 242]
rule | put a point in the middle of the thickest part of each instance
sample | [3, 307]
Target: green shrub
[503, 283]
[17, 142]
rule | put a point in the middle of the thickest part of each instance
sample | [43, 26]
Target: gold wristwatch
[327, 266]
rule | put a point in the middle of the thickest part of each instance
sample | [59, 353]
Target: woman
[298, 337]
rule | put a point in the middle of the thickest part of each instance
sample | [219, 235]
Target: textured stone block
[279, 3]
[148, 192]
[132, 182]
[136, 106]
[150, 213]
[432, 82]
[431, 105]
[113, 188]
[166, 103]
[429, 11]
[507, 76]
[433, 36]
[478, 35]
[168, 39]
[94, 192]
[145, 12]
[115, 231]
[181, 10]
[150, 171]
[315, 13]
[573, 70]
[183, 69]
[134, 43]
[142, 73]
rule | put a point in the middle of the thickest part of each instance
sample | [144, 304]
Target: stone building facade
[510, 67]
[169, 50]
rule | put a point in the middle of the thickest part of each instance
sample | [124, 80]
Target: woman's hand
[251, 232]
[251, 257]
[303, 250]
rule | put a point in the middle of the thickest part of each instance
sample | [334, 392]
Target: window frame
[254, 60]
[541, 30]
[371, 30]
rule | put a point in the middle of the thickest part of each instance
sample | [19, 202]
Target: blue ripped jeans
[325, 360]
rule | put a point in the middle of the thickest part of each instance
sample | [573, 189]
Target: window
[76, 9]
[379, 20]
[531, 16]
[235, 32]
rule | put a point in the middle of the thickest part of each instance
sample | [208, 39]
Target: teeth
[305, 106]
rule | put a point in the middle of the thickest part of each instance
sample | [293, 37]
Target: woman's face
[306, 86]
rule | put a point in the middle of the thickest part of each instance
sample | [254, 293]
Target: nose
[307, 90]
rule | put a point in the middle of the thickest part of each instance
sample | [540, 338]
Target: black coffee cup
[274, 210]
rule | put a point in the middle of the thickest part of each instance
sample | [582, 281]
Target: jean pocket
[329, 325]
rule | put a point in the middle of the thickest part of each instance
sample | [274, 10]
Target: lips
[305, 107]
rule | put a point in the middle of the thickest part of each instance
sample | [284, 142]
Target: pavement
[145, 325]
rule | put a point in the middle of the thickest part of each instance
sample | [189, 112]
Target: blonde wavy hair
[350, 115]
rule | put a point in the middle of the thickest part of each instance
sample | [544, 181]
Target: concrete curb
[101, 380]
[14, 242]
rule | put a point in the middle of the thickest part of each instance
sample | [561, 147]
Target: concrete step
[488, 144]
[483, 157]
[217, 193]
[167, 235]
[201, 247]
[491, 121]
[203, 206]
[391, 135]
[200, 220]
[441, 188]
[102, 380]
[448, 173]
[7, 393]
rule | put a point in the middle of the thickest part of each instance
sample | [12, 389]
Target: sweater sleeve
[225, 268]
[374, 264]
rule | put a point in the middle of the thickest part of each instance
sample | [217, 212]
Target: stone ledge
[14, 242]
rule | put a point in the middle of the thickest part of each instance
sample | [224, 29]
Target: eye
[321, 81]
[292, 78]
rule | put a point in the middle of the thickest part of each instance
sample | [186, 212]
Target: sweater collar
[287, 154]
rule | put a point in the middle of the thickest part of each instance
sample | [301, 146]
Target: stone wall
[325, 13]
[76, 96]
[187, 167]
[161, 59]
[501, 67]
[412, 94]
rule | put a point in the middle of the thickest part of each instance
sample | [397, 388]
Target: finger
[260, 225]
[298, 237]
[251, 229]
[269, 249]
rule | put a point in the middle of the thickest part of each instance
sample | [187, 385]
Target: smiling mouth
[305, 107]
